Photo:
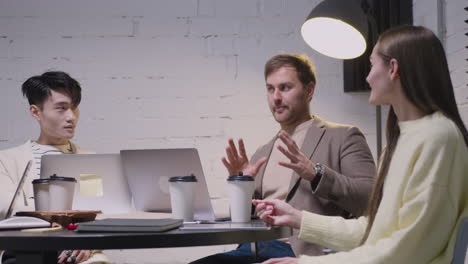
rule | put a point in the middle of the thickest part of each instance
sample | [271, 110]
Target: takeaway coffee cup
[61, 191]
[41, 194]
[182, 190]
[241, 189]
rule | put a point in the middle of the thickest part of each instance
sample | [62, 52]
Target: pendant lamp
[337, 28]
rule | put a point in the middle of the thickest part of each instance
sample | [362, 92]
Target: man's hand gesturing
[237, 161]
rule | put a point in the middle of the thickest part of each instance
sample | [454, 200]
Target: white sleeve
[333, 232]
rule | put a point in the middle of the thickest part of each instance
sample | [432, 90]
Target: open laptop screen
[18, 189]
[148, 172]
[101, 182]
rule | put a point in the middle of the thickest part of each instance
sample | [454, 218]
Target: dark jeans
[8, 258]
[243, 254]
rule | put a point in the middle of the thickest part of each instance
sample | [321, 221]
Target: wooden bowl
[63, 218]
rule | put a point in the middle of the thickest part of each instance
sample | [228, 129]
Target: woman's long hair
[425, 81]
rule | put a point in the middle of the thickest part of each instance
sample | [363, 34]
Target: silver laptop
[148, 172]
[101, 184]
[18, 190]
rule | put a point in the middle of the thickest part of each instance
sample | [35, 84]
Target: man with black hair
[53, 99]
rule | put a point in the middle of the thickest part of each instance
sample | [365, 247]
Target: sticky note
[91, 185]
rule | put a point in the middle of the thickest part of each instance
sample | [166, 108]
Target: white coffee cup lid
[190, 178]
[40, 181]
[61, 178]
[240, 178]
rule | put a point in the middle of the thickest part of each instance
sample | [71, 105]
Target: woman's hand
[74, 256]
[238, 161]
[278, 212]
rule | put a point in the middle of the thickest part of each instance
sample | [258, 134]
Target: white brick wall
[427, 14]
[179, 73]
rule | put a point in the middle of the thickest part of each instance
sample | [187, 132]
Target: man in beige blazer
[345, 182]
[313, 164]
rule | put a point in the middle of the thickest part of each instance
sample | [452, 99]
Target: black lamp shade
[336, 28]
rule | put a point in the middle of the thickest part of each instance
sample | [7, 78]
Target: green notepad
[129, 225]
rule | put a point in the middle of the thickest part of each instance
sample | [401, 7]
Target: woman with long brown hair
[419, 197]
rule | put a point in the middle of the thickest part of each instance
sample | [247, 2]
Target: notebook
[129, 225]
[101, 184]
[148, 172]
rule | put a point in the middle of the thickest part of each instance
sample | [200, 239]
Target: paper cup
[182, 191]
[240, 197]
[61, 191]
[41, 194]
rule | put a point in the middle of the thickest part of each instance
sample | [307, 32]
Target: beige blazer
[344, 188]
